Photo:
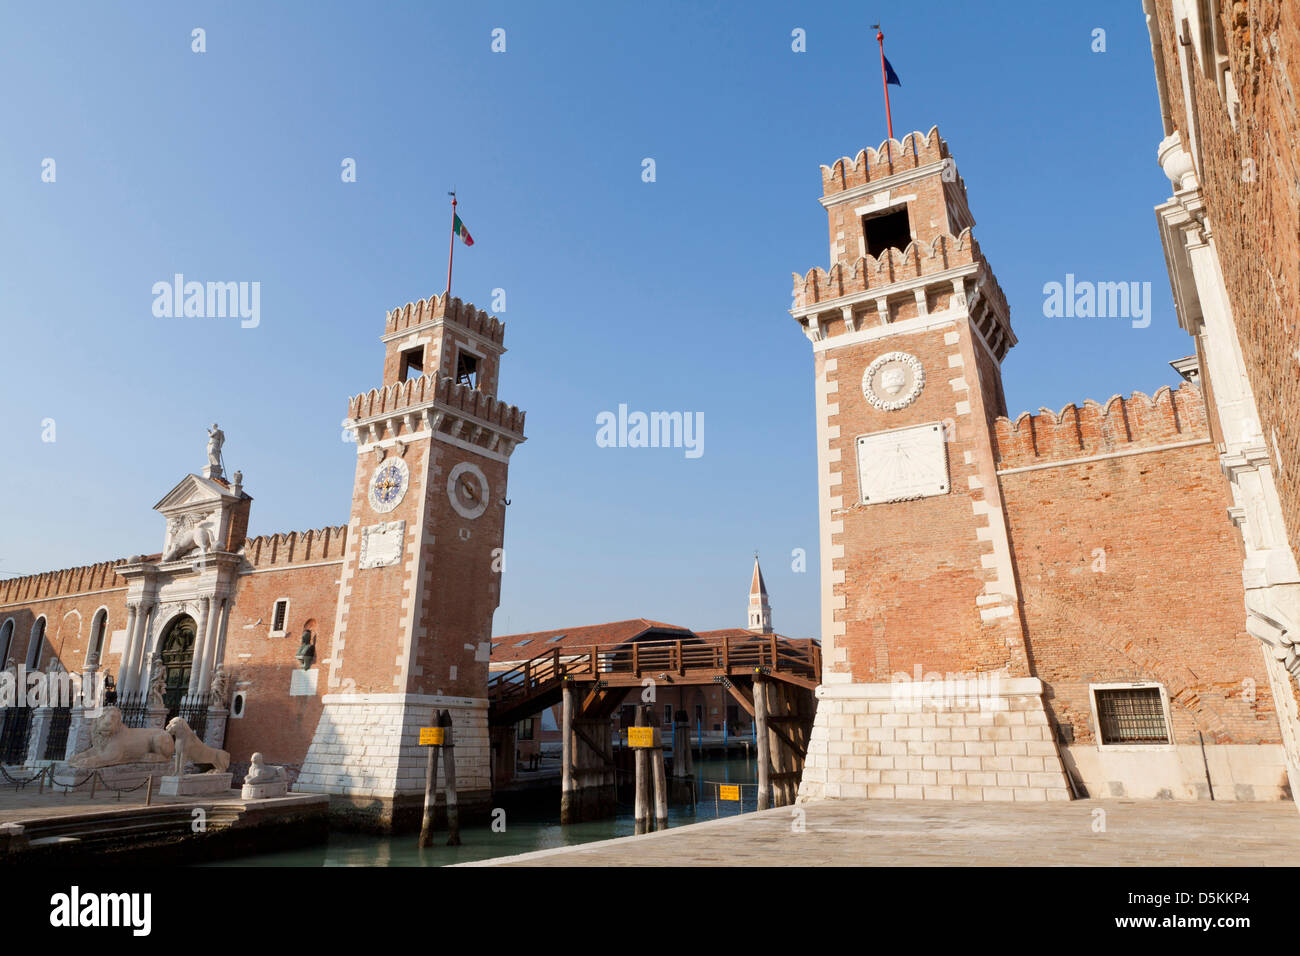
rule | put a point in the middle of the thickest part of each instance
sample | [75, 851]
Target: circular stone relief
[893, 381]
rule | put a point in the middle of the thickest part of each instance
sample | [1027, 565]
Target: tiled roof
[522, 647]
[518, 647]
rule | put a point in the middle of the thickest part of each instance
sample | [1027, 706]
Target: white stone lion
[190, 749]
[112, 743]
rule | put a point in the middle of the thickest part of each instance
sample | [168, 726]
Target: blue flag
[890, 75]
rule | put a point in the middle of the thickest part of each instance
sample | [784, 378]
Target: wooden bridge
[771, 677]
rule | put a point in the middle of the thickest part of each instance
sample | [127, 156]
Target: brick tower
[421, 574]
[927, 687]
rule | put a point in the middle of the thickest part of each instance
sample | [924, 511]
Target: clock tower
[921, 615]
[421, 574]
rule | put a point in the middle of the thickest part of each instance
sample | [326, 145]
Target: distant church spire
[760, 612]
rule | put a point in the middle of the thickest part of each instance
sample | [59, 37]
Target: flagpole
[884, 78]
[451, 245]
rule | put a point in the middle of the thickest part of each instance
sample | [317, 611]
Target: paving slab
[959, 833]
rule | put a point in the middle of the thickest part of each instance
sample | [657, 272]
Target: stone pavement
[29, 804]
[934, 833]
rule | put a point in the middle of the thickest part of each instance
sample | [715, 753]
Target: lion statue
[112, 743]
[190, 749]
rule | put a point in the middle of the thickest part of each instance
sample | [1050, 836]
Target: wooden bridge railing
[699, 658]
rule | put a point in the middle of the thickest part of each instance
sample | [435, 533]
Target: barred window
[1131, 715]
[525, 729]
[279, 614]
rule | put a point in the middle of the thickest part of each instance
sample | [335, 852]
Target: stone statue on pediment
[216, 438]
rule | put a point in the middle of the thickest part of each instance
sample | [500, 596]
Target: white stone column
[200, 649]
[140, 679]
[1226, 371]
[131, 659]
[124, 663]
[215, 642]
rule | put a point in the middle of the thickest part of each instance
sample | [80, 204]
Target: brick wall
[1128, 566]
[1256, 222]
[303, 567]
[913, 571]
[68, 600]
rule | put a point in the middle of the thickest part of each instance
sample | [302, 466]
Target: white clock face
[467, 487]
[388, 485]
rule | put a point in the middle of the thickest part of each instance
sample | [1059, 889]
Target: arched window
[6, 640]
[36, 645]
[98, 628]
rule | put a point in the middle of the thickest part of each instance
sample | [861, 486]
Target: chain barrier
[69, 787]
[19, 784]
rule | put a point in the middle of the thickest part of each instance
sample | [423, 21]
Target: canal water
[531, 823]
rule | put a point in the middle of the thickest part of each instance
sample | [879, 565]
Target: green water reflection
[531, 824]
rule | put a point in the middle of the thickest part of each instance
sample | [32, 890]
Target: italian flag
[458, 229]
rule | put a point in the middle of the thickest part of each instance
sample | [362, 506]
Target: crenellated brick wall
[914, 150]
[297, 547]
[1122, 424]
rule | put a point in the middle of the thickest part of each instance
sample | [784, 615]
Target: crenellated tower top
[901, 246]
[444, 337]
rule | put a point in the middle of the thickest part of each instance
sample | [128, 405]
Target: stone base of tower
[980, 739]
[366, 755]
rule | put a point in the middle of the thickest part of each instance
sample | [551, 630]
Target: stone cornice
[884, 291]
[435, 419]
[479, 339]
[886, 182]
[1241, 460]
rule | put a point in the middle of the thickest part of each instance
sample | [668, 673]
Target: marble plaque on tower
[381, 544]
[903, 463]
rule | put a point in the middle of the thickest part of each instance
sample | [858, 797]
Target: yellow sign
[729, 792]
[640, 736]
[432, 736]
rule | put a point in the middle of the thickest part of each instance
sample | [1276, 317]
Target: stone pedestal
[121, 777]
[195, 784]
[38, 734]
[78, 733]
[261, 791]
[982, 739]
[214, 734]
[157, 717]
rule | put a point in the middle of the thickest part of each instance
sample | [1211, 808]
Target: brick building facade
[397, 604]
[1022, 609]
[1226, 85]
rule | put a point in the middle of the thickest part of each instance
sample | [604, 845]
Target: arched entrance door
[177, 652]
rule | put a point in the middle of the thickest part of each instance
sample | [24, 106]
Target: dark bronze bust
[306, 650]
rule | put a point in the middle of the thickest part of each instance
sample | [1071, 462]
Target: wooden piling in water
[642, 812]
[764, 745]
[682, 746]
[568, 811]
[430, 798]
[449, 773]
[660, 781]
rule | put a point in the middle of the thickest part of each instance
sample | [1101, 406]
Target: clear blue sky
[669, 295]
